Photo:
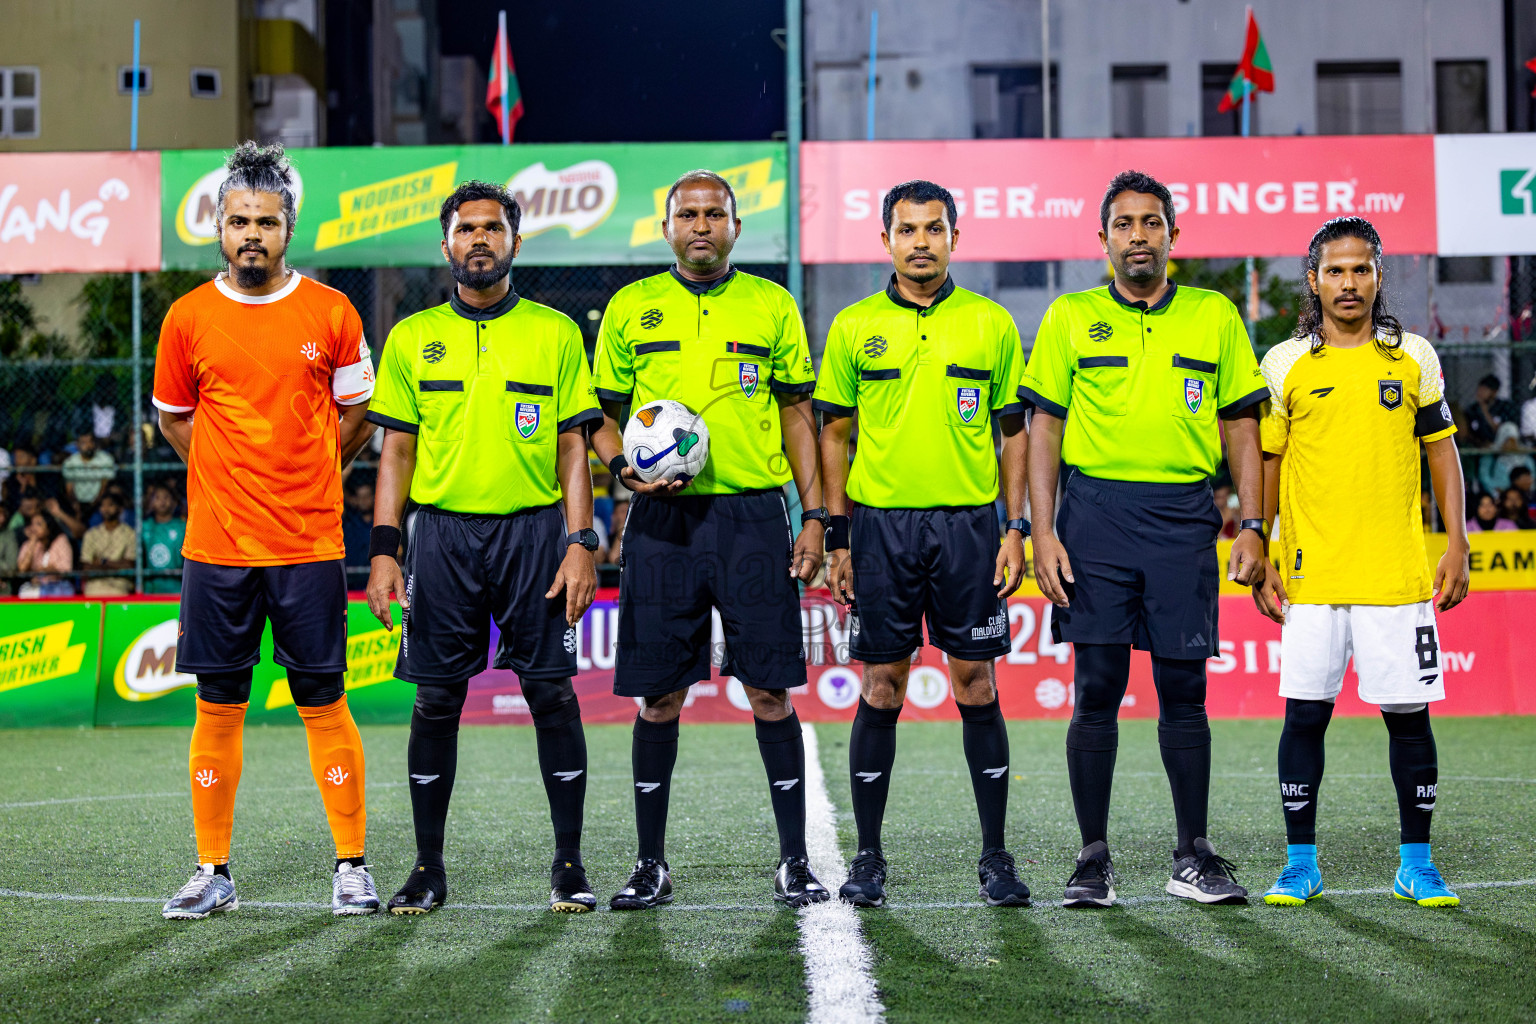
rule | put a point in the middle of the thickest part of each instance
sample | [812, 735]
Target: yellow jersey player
[1352, 396]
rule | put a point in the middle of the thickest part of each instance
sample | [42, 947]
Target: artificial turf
[106, 813]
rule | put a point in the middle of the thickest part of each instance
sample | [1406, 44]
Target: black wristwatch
[586, 538]
[1022, 525]
[1258, 526]
[818, 514]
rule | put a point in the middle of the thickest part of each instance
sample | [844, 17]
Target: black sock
[1415, 770]
[1184, 737]
[1102, 673]
[653, 753]
[223, 869]
[358, 862]
[782, 747]
[1301, 766]
[432, 761]
[985, 737]
[563, 764]
[871, 753]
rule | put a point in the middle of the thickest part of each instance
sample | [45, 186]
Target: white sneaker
[352, 890]
[205, 893]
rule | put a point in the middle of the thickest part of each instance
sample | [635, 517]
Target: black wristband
[1258, 526]
[837, 533]
[384, 540]
[617, 465]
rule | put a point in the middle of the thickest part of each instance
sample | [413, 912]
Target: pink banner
[1039, 199]
[79, 212]
[1485, 647]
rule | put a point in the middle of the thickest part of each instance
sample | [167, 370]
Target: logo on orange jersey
[336, 775]
[206, 777]
[309, 350]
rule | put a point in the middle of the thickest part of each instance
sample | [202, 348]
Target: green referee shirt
[1144, 385]
[485, 391]
[926, 382]
[720, 348]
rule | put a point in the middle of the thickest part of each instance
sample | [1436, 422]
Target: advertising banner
[1485, 189]
[84, 212]
[1022, 199]
[48, 654]
[582, 204]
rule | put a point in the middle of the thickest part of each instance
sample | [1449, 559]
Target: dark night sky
[627, 71]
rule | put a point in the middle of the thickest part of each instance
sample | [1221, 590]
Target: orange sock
[215, 770]
[336, 757]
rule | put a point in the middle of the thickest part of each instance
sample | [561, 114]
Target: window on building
[206, 83]
[1461, 96]
[1359, 97]
[125, 80]
[1464, 269]
[1035, 274]
[1138, 100]
[1215, 80]
[1006, 102]
[18, 103]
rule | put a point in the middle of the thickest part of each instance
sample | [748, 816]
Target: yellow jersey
[1349, 422]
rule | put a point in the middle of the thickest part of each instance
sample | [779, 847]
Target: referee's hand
[384, 579]
[1009, 572]
[578, 578]
[656, 489]
[840, 575]
[809, 549]
[1052, 567]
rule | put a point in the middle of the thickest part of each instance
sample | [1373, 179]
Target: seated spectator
[116, 490]
[48, 554]
[357, 530]
[70, 516]
[108, 546]
[164, 531]
[88, 470]
[31, 504]
[8, 549]
[1488, 411]
[1512, 507]
[1528, 417]
[1486, 518]
[1222, 492]
[1494, 471]
[23, 461]
[1520, 479]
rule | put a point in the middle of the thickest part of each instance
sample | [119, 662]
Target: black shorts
[933, 563]
[1144, 560]
[225, 608]
[463, 570]
[683, 556]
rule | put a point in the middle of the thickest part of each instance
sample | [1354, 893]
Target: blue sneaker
[1300, 881]
[1422, 884]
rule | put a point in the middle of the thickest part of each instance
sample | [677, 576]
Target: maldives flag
[1254, 72]
[503, 91]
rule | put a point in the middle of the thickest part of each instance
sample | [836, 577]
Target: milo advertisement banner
[48, 654]
[139, 684]
[581, 203]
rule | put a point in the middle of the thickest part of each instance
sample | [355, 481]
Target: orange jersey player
[262, 381]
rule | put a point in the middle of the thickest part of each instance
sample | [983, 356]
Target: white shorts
[1396, 650]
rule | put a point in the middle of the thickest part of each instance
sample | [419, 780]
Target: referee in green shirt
[926, 367]
[731, 347]
[486, 404]
[1129, 384]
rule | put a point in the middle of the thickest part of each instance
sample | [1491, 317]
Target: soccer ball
[664, 440]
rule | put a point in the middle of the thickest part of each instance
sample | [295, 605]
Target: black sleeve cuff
[620, 397]
[787, 388]
[1032, 399]
[1230, 411]
[585, 416]
[1432, 419]
[391, 422]
[822, 405]
[1011, 409]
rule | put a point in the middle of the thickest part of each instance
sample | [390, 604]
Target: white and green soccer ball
[665, 440]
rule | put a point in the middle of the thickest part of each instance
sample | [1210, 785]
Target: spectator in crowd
[48, 554]
[1512, 507]
[1222, 492]
[357, 528]
[116, 490]
[163, 533]
[8, 550]
[108, 546]
[1520, 479]
[1494, 471]
[29, 505]
[1528, 417]
[72, 519]
[103, 407]
[88, 470]
[23, 460]
[1486, 517]
[1488, 411]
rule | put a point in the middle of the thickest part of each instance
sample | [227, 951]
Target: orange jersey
[263, 377]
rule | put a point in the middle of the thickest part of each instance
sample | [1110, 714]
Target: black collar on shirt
[468, 312]
[701, 287]
[1140, 303]
[945, 291]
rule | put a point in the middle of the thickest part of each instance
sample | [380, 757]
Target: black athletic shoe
[1093, 880]
[1206, 877]
[649, 885]
[1000, 885]
[569, 892]
[426, 888]
[794, 884]
[866, 881]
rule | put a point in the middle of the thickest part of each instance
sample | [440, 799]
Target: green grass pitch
[106, 814]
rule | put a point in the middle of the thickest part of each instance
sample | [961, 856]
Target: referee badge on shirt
[748, 378]
[967, 401]
[1390, 393]
[527, 418]
[1194, 393]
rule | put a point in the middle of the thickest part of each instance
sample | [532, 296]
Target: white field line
[838, 964]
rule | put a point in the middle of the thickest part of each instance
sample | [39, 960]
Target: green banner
[48, 655]
[582, 203]
[139, 684]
